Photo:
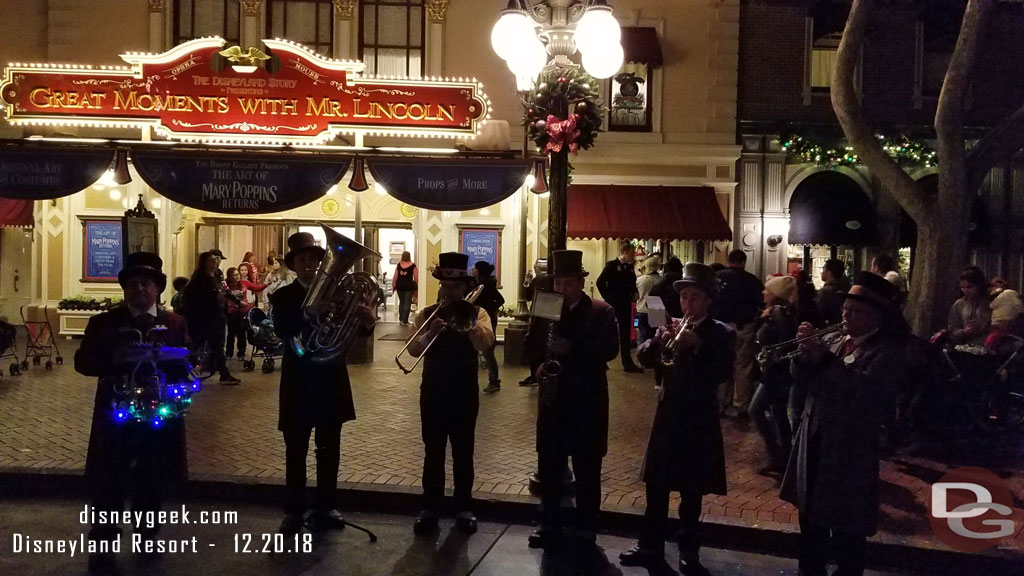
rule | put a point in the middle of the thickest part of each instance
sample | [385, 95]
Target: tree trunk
[937, 257]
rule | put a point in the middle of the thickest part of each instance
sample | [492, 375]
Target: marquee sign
[198, 91]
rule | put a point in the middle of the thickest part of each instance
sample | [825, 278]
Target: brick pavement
[232, 435]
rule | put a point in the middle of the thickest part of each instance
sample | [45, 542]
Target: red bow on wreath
[562, 133]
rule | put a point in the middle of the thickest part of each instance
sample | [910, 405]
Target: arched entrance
[830, 217]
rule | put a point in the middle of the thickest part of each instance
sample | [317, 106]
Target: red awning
[649, 212]
[15, 213]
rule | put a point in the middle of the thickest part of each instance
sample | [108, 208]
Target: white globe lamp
[597, 26]
[605, 62]
[511, 31]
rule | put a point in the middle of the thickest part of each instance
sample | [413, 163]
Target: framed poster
[102, 250]
[482, 243]
[395, 250]
[140, 235]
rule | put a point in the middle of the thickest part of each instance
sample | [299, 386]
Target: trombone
[458, 315]
[773, 352]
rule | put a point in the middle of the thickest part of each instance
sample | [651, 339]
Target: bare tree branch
[949, 115]
[855, 126]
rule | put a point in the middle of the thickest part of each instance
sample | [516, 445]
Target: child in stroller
[265, 342]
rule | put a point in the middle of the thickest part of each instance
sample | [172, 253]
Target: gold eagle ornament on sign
[245, 62]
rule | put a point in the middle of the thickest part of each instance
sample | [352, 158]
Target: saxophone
[551, 368]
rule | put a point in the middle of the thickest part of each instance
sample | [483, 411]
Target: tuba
[329, 335]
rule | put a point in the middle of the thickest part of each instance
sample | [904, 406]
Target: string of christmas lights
[902, 149]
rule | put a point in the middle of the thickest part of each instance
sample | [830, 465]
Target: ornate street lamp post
[540, 38]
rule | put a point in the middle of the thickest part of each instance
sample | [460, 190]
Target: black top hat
[484, 267]
[452, 266]
[874, 290]
[699, 275]
[567, 263]
[301, 242]
[143, 264]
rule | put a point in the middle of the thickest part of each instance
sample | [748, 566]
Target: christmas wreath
[585, 111]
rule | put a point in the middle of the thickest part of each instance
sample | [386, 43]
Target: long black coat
[832, 476]
[311, 394]
[95, 357]
[617, 284]
[575, 420]
[685, 451]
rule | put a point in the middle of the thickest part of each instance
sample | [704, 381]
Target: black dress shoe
[633, 369]
[425, 524]
[637, 556]
[545, 538]
[691, 566]
[466, 523]
[291, 525]
[323, 520]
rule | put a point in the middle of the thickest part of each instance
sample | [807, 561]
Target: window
[825, 22]
[391, 37]
[823, 63]
[938, 30]
[308, 22]
[630, 95]
[198, 18]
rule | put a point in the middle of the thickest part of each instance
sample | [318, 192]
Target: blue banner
[449, 183]
[41, 174]
[254, 183]
[102, 250]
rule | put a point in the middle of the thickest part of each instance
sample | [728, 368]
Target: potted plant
[74, 312]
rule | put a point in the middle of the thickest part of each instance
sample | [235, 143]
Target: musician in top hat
[449, 392]
[572, 414]
[685, 451]
[313, 396]
[129, 457]
[832, 475]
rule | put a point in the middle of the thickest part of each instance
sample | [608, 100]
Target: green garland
[584, 99]
[905, 151]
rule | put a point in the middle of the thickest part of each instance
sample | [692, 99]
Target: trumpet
[458, 316]
[670, 349]
[774, 351]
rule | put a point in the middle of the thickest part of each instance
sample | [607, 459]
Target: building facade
[787, 50]
[683, 133]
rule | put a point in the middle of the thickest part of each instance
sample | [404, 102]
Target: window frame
[317, 47]
[810, 92]
[408, 5]
[648, 126]
[176, 22]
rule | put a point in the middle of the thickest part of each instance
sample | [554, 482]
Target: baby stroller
[265, 342]
[8, 336]
[41, 343]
